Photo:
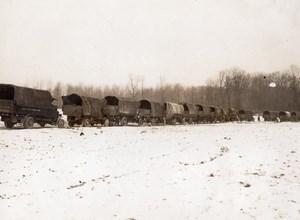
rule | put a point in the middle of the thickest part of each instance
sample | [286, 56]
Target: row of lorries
[29, 106]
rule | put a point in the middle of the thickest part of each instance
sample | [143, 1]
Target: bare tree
[57, 92]
[178, 91]
[142, 81]
[228, 87]
[133, 85]
[294, 73]
[162, 88]
[221, 84]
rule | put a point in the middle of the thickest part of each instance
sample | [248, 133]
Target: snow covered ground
[217, 171]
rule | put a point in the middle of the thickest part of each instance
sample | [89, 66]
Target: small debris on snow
[245, 184]
[212, 158]
[78, 185]
[81, 133]
[278, 176]
[224, 149]
[256, 173]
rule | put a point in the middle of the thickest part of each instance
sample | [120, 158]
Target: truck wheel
[164, 121]
[85, 122]
[61, 123]
[8, 124]
[106, 122]
[42, 124]
[183, 121]
[29, 122]
[124, 121]
[153, 121]
[174, 121]
[71, 123]
[141, 122]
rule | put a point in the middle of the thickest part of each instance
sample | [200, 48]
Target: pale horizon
[187, 42]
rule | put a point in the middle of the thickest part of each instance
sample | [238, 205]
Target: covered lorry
[231, 115]
[27, 106]
[295, 116]
[284, 116]
[190, 112]
[217, 114]
[174, 113]
[150, 111]
[119, 111]
[270, 115]
[204, 114]
[82, 110]
[245, 115]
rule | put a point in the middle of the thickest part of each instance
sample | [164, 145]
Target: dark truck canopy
[284, 115]
[126, 106]
[294, 114]
[156, 109]
[270, 115]
[90, 106]
[243, 114]
[26, 97]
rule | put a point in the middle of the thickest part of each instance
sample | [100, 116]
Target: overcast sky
[102, 42]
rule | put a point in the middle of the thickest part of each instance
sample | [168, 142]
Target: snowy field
[218, 171]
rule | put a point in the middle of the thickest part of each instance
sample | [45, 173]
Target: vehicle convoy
[82, 110]
[119, 111]
[27, 106]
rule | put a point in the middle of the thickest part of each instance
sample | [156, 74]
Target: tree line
[230, 88]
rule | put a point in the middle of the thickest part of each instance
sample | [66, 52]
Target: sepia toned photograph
[149, 109]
